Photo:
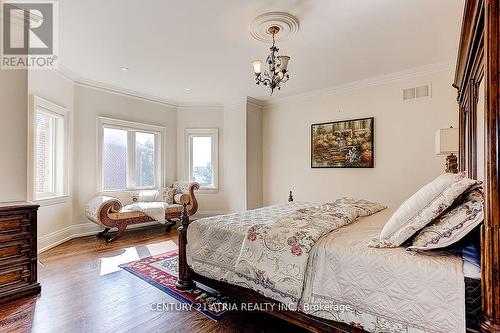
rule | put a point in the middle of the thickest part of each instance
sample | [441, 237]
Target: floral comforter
[274, 257]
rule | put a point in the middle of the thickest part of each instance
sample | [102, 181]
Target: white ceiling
[206, 46]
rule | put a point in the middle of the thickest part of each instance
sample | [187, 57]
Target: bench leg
[120, 233]
[102, 233]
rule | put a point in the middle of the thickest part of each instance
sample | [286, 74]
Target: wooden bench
[108, 211]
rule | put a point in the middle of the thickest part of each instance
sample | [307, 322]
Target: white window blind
[45, 150]
[48, 146]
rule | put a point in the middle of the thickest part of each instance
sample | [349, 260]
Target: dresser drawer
[14, 224]
[14, 250]
[14, 277]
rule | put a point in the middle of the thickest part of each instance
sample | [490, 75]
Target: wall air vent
[417, 92]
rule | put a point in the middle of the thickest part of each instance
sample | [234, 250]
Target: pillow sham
[452, 226]
[148, 196]
[167, 194]
[422, 208]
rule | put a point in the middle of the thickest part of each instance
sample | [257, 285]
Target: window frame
[132, 127]
[60, 158]
[203, 132]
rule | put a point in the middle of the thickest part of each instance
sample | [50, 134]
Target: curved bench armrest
[182, 198]
[102, 205]
[187, 187]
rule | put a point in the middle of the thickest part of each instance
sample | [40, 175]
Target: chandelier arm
[286, 77]
[259, 78]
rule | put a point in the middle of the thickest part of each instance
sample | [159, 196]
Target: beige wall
[52, 86]
[404, 142]
[254, 156]
[235, 162]
[13, 134]
[91, 103]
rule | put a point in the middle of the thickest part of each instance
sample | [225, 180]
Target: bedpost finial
[290, 197]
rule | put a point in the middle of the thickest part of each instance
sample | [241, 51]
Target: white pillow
[422, 208]
[148, 196]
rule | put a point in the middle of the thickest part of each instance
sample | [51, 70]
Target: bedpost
[490, 233]
[185, 280]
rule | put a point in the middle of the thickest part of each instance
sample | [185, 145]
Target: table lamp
[447, 144]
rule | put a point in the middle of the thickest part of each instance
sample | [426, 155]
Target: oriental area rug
[161, 271]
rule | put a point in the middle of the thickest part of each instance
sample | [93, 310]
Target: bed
[343, 273]
[431, 296]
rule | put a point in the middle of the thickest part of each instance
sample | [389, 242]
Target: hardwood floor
[84, 290]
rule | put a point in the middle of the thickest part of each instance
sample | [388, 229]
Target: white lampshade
[447, 141]
[284, 62]
[257, 64]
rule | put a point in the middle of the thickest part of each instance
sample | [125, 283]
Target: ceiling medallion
[287, 24]
[276, 24]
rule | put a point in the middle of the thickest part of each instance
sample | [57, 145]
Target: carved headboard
[478, 65]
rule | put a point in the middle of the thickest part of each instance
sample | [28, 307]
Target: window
[130, 155]
[202, 157]
[48, 149]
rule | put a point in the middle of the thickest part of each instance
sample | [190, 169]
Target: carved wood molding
[491, 235]
[478, 58]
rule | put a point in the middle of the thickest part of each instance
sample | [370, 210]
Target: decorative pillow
[422, 208]
[167, 194]
[363, 207]
[147, 196]
[452, 226]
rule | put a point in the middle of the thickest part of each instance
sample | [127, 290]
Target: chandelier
[277, 73]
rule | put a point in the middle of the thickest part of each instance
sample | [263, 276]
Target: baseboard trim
[53, 239]
[58, 237]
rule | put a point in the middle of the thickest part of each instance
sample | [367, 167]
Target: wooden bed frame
[478, 59]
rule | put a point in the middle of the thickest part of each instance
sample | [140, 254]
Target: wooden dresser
[18, 250]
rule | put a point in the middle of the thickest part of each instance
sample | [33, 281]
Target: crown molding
[199, 105]
[66, 73]
[342, 88]
[244, 102]
[369, 82]
[72, 76]
[255, 102]
[124, 92]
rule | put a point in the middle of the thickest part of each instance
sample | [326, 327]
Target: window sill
[208, 190]
[52, 200]
[126, 191]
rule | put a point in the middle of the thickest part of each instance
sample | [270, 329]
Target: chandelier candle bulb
[257, 66]
[284, 62]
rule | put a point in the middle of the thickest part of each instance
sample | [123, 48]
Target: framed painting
[343, 144]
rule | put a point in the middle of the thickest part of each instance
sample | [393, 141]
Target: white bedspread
[155, 209]
[386, 290]
[403, 291]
